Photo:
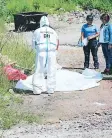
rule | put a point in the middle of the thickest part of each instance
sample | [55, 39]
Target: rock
[99, 114]
[11, 91]
[61, 9]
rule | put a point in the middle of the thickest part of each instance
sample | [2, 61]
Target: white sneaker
[36, 92]
[50, 92]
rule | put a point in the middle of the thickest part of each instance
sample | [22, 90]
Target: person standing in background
[105, 40]
[90, 32]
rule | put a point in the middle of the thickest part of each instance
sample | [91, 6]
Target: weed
[10, 7]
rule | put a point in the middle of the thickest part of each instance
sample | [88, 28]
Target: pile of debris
[12, 71]
[77, 16]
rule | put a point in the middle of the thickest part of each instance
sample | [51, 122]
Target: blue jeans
[107, 55]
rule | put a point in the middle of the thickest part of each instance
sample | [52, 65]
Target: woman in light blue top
[90, 32]
[105, 40]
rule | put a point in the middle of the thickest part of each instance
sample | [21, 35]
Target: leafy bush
[10, 113]
[9, 7]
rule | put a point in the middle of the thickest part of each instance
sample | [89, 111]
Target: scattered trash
[70, 20]
[14, 74]
[99, 104]
[92, 74]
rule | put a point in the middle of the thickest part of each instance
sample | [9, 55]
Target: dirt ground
[78, 114]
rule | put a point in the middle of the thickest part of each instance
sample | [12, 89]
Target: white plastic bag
[82, 43]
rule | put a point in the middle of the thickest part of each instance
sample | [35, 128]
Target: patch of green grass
[10, 7]
[9, 118]
[31, 118]
[10, 103]
[19, 52]
[2, 25]
[4, 83]
[10, 114]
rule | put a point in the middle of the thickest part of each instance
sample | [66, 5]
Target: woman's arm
[93, 36]
[110, 35]
[82, 36]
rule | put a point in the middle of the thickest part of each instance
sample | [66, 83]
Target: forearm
[94, 36]
[110, 34]
[82, 36]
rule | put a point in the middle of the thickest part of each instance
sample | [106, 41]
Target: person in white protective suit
[45, 41]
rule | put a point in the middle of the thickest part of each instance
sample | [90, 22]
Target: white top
[45, 37]
[101, 39]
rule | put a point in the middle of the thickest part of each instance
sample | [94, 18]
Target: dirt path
[68, 105]
[88, 114]
[94, 126]
[78, 114]
[91, 126]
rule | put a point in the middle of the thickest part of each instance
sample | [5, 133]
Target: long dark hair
[105, 16]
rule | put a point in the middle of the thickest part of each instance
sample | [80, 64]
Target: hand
[110, 46]
[99, 44]
[90, 37]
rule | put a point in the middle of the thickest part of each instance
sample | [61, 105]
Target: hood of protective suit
[44, 21]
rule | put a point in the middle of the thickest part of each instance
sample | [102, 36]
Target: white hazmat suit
[45, 41]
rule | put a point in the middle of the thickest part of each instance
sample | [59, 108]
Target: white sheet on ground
[68, 80]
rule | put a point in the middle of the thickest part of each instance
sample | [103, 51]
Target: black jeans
[92, 46]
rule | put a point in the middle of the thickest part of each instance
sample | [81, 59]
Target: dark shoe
[110, 71]
[106, 71]
[85, 67]
[96, 65]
